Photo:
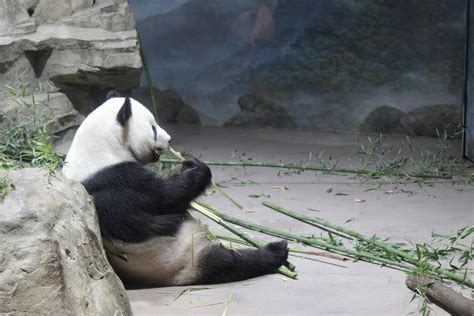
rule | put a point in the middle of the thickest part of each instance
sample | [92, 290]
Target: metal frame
[468, 135]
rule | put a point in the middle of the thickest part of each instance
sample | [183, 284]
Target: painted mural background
[312, 64]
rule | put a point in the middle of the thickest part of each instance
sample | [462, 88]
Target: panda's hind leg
[218, 264]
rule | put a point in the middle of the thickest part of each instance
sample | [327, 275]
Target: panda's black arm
[174, 194]
[131, 181]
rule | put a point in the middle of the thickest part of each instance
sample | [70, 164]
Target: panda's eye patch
[154, 131]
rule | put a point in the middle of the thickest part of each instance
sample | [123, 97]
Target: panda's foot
[219, 265]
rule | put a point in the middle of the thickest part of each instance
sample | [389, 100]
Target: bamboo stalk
[303, 252]
[309, 241]
[213, 209]
[257, 243]
[218, 189]
[384, 246]
[148, 79]
[311, 219]
[313, 168]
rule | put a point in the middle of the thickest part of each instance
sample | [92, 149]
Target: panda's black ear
[113, 94]
[125, 112]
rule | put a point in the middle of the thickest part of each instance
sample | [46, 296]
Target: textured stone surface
[80, 47]
[51, 259]
[384, 119]
[258, 111]
[62, 114]
[433, 120]
[171, 107]
[429, 121]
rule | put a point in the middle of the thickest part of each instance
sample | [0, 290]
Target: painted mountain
[328, 63]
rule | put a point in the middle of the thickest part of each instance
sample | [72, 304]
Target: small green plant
[424, 307]
[27, 143]
[409, 161]
[5, 187]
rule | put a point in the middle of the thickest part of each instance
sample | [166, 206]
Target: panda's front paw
[198, 171]
[274, 254]
[190, 163]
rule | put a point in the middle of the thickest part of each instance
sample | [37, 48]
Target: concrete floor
[410, 212]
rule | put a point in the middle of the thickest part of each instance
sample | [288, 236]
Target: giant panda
[150, 238]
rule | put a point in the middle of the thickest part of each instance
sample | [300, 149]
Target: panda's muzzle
[156, 153]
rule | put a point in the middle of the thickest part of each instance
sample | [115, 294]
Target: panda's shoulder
[126, 174]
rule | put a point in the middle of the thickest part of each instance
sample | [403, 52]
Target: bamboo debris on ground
[359, 171]
[404, 261]
[402, 264]
[383, 246]
[312, 242]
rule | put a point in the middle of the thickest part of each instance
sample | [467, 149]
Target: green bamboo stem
[257, 243]
[218, 189]
[384, 246]
[338, 228]
[358, 171]
[308, 241]
[148, 80]
[303, 252]
[320, 244]
[213, 209]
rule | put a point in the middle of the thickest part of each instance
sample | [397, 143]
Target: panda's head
[120, 130]
[140, 132]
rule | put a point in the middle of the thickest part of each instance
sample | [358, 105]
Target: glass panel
[369, 65]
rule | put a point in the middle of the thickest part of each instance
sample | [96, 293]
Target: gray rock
[384, 119]
[187, 115]
[63, 141]
[52, 260]
[433, 120]
[171, 107]
[81, 47]
[258, 111]
[61, 113]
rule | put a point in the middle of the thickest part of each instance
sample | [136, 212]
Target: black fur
[125, 112]
[133, 204]
[220, 265]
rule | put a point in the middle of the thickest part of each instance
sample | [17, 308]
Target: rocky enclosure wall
[75, 49]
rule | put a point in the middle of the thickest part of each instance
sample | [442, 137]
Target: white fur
[101, 141]
[167, 260]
